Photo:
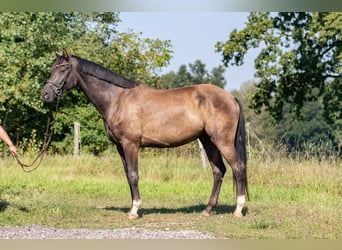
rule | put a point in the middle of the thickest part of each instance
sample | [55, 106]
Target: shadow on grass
[220, 209]
[4, 205]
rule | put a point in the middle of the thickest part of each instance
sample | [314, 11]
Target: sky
[193, 36]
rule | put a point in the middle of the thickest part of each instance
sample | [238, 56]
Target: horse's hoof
[237, 215]
[132, 216]
[205, 213]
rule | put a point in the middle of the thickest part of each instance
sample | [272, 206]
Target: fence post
[76, 139]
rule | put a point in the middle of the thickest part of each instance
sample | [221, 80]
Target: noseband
[58, 88]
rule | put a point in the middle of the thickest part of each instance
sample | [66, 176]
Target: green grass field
[289, 199]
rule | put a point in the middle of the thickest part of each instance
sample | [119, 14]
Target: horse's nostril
[45, 95]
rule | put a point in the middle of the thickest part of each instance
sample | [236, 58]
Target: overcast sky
[193, 36]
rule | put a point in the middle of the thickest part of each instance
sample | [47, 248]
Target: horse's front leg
[129, 156]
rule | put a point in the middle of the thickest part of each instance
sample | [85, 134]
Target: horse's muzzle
[48, 94]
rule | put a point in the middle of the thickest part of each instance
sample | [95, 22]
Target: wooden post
[76, 139]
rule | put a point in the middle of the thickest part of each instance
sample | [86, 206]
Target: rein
[47, 140]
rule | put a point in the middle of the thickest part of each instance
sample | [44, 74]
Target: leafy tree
[310, 131]
[197, 75]
[300, 59]
[198, 72]
[217, 78]
[311, 135]
[166, 81]
[27, 43]
[183, 77]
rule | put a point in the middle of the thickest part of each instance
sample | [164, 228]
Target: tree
[27, 43]
[310, 135]
[300, 59]
[183, 77]
[198, 74]
[217, 78]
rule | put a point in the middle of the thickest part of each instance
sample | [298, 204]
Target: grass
[289, 199]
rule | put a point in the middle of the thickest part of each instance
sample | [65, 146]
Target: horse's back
[203, 100]
[172, 117]
[217, 100]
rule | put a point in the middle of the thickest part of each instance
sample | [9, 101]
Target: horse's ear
[57, 55]
[65, 54]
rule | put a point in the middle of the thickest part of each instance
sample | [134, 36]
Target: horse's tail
[240, 145]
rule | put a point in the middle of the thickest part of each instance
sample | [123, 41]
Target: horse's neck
[103, 95]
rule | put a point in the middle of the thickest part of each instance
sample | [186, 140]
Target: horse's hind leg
[239, 174]
[218, 169]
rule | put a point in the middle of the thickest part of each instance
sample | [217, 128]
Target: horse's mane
[103, 73]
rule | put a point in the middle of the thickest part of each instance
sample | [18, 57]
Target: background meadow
[290, 199]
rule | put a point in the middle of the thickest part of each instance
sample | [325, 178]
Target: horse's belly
[165, 142]
[170, 134]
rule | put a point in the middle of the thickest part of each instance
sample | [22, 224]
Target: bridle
[58, 88]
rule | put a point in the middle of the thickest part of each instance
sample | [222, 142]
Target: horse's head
[59, 80]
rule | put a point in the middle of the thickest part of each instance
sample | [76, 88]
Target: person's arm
[4, 136]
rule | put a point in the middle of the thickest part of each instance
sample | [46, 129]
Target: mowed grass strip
[289, 199]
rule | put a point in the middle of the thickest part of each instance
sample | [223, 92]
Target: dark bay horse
[136, 115]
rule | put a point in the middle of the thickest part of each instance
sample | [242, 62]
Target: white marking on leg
[241, 199]
[135, 208]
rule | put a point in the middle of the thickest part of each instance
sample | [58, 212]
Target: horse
[136, 115]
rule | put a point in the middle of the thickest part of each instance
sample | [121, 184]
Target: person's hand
[13, 150]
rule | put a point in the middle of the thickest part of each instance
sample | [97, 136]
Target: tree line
[298, 73]
[295, 100]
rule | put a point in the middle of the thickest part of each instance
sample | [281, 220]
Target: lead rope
[47, 140]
